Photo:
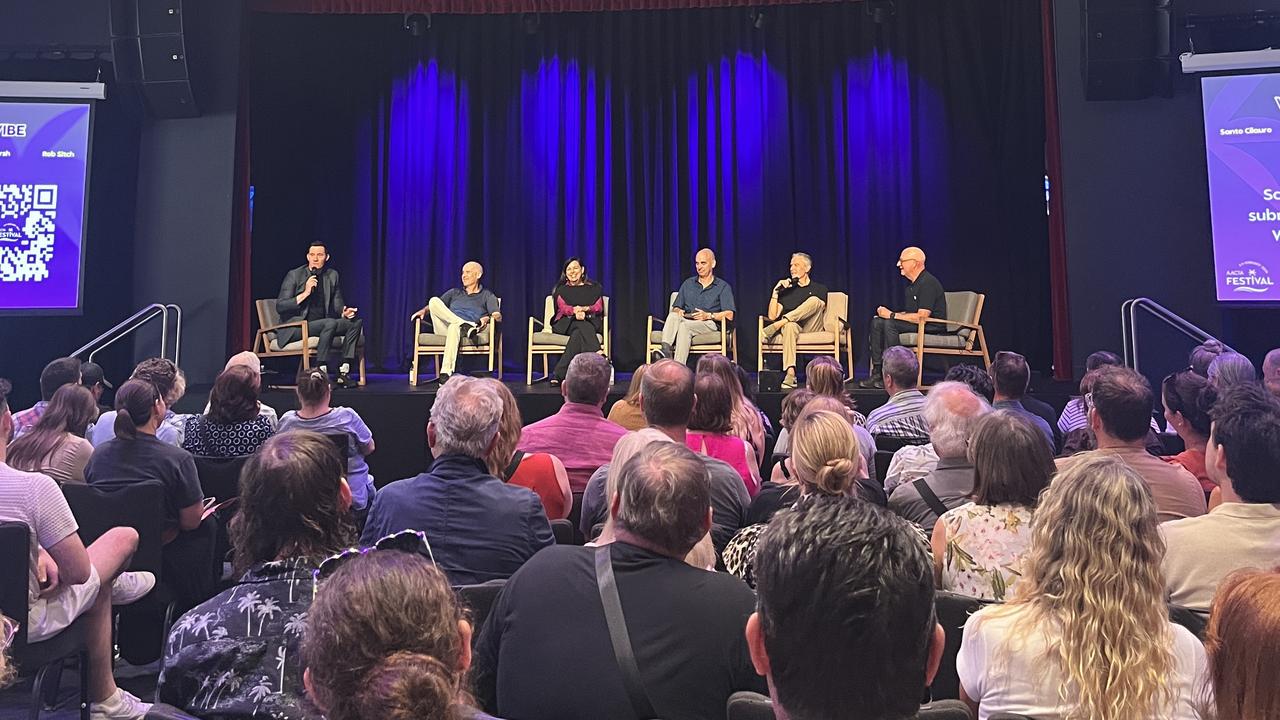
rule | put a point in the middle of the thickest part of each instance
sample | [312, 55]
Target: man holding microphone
[796, 306]
[313, 293]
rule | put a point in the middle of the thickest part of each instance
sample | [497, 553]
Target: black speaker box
[148, 46]
[770, 381]
[1118, 49]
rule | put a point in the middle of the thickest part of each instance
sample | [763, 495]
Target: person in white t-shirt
[1087, 633]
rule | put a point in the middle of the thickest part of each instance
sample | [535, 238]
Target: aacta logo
[10, 233]
[1277, 99]
[1250, 277]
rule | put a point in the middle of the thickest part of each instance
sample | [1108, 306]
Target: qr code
[27, 214]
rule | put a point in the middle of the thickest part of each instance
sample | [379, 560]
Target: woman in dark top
[233, 425]
[579, 312]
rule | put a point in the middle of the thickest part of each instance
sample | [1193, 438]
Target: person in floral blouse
[237, 655]
[978, 548]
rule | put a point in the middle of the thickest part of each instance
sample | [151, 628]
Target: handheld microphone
[795, 281]
[313, 272]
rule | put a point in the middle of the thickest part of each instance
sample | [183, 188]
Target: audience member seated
[745, 419]
[1120, 419]
[545, 652]
[63, 371]
[541, 472]
[68, 580]
[1202, 355]
[1231, 368]
[251, 361]
[93, 378]
[666, 398]
[55, 446]
[780, 490]
[479, 527]
[238, 655]
[901, 417]
[232, 426]
[711, 427]
[912, 462]
[871, 491]
[876, 617]
[1075, 415]
[978, 548]
[1011, 377]
[171, 383]
[626, 412]
[826, 463]
[1243, 458]
[135, 454]
[578, 434]
[386, 638]
[317, 414]
[1243, 644]
[1087, 633]
[1187, 400]
[951, 411]
[824, 376]
[1082, 439]
[1271, 372]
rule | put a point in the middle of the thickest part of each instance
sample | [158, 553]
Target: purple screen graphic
[1242, 140]
[44, 155]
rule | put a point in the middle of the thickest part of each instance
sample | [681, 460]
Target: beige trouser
[805, 319]
[444, 322]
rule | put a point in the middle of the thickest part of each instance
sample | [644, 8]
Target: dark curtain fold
[355, 7]
[240, 310]
[632, 139]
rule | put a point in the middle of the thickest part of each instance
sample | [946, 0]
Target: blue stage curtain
[632, 139]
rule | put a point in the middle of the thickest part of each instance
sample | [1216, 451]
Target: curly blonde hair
[1093, 573]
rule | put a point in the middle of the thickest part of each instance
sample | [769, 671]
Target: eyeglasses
[1088, 401]
[9, 627]
[410, 541]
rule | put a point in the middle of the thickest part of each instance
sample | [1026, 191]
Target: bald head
[471, 274]
[911, 262]
[666, 394]
[704, 263]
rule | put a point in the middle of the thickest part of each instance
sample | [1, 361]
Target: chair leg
[84, 684]
[363, 380]
[413, 369]
[53, 682]
[982, 338]
[37, 692]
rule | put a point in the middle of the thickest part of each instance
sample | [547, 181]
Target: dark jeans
[328, 328]
[884, 334]
[582, 338]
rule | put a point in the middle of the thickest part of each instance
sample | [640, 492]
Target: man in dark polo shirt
[925, 299]
[797, 305]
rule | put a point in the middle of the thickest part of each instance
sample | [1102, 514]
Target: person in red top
[579, 435]
[1187, 399]
[542, 473]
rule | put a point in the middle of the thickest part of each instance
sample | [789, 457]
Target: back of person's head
[717, 364]
[744, 382]
[509, 428]
[1190, 396]
[951, 410]
[1010, 374]
[386, 638]
[71, 409]
[1203, 354]
[666, 394]
[824, 376]
[245, 359]
[1243, 644]
[1231, 368]
[842, 583]
[169, 380]
[587, 380]
[465, 417]
[1271, 371]
[1093, 574]
[1011, 462]
[1122, 399]
[135, 403]
[313, 386]
[6, 387]
[292, 501]
[63, 371]
[664, 494]
[714, 410]
[234, 397]
[976, 378]
[900, 365]
[633, 390]
[1246, 429]
[1101, 358]
[824, 452]
[793, 404]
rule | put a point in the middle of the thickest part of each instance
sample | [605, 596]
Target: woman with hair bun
[171, 383]
[386, 638]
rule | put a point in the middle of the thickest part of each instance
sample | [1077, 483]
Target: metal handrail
[1129, 326]
[126, 327]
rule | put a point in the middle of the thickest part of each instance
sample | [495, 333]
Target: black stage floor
[397, 413]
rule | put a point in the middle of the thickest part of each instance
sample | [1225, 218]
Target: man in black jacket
[313, 293]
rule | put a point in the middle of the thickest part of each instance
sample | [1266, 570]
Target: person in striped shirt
[903, 415]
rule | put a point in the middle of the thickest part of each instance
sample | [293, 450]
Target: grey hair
[901, 365]
[952, 411]
[808, 260]
[665, 493]
[465, 417]
[1231, 368]
[588, 379]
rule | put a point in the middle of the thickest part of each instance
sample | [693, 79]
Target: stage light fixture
[757, 18]
[532, 21]
[417, 23]
[879, 10]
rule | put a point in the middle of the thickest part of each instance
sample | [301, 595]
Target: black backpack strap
[512, 466]
[618, 635]
[929, 496]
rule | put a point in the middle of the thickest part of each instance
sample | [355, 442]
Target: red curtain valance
[480, 7]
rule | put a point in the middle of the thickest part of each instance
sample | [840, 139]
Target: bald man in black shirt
[925, 299]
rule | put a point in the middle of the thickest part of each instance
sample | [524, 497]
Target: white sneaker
[120, 706]
[131, 586]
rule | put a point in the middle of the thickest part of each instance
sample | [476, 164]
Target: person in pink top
[711, 428]
[578, 434]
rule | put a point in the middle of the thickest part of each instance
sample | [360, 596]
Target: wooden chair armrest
[957, 323]
[273, 328]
